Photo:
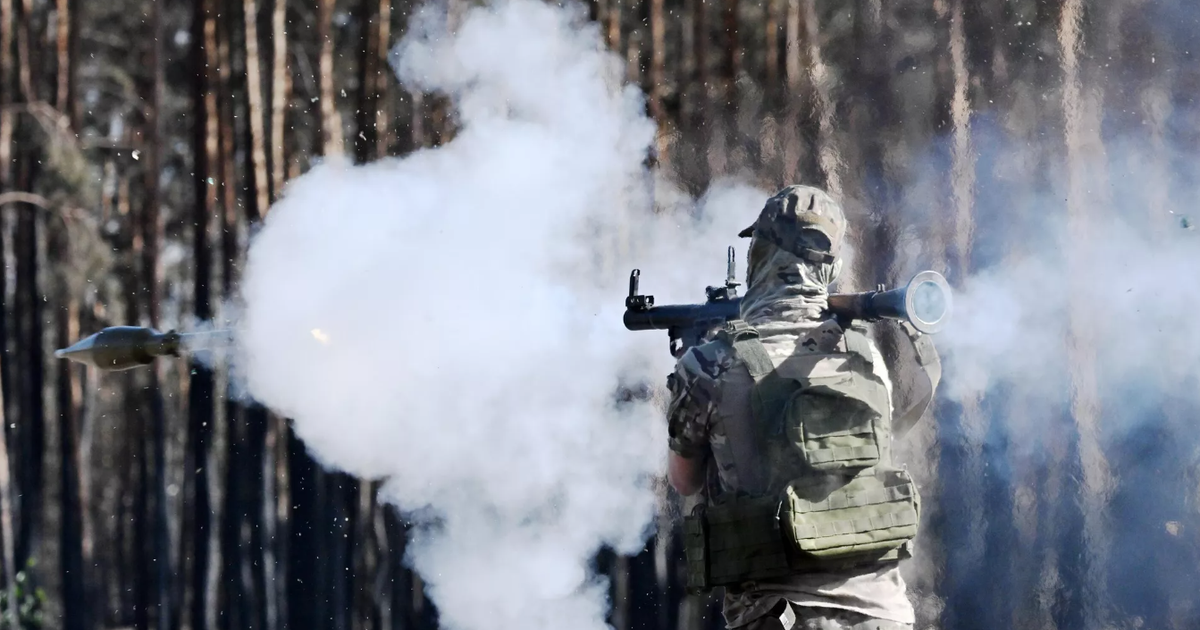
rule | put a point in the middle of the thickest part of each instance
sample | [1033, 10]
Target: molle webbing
[734, 542]
[745, 537]
[868, 520]
[842, 453]
[876, 511]
[814, 490]
[747, 438]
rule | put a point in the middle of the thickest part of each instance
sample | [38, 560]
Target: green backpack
[828, 496]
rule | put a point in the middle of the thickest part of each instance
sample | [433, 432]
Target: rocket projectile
[125, 347]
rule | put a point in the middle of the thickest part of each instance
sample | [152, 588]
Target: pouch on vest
[833, 408]
[876, 512]
[735, 542]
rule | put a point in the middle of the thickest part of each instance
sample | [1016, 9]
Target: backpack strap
[858, 344]
[746, 439]
[743, 338]
[931, 366]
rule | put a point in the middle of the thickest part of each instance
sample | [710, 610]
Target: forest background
[141, 141]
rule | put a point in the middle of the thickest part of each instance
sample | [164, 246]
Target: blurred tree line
[141, 141]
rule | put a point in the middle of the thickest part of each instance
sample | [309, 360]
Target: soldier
[784, 422]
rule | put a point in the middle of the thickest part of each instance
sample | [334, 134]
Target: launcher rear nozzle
[122, 347]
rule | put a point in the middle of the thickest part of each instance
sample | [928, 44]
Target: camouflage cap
[791, 214]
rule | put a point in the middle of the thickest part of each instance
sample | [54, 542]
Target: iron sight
[925, 303]
[125, 347]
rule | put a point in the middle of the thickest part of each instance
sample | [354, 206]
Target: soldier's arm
[686, 475]
[688, 417]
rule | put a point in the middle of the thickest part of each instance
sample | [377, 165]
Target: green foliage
[31, 603]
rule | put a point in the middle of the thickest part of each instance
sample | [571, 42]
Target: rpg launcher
[925, 303]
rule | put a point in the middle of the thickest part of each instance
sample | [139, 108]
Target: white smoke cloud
[1127, 283]
[451, 320]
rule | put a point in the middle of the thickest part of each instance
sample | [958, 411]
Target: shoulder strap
[931, 365]
[746, 439]
[858, 344]
[743, 338]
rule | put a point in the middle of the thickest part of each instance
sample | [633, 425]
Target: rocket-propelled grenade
[125, 347]
[925, 303]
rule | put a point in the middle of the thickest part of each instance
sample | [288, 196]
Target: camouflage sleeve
[690, 411]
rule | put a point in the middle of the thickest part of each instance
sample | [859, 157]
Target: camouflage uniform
[786, 294]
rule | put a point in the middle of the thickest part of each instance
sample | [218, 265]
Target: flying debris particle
[137, 154]
[320, 336]
[1173, 528]
[1186, 223]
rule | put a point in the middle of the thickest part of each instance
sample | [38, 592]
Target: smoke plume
[450, 321]
[1068, 466]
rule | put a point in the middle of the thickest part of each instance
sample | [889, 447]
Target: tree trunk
[365, 116]
[658, 63]
[152, 279]
[792, 148]
[771, 35]
[613, 24]
[304, 549]
[200, 389]
[275, 466]
[700, 93]
[1083, 149]
[7, 120]
[384, 129]
[331, 122]
[28, 313]
[76, 608]
[6, 522]
[259, 185]
[828, 156]
[280, 86]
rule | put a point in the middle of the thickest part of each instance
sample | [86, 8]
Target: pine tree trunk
[658, 63]
[259, 185]
[700, 92]
[330, 122]
[76, 608]
[151, 279]
[365, 115]
[200, 389]
[275, 464]
[6, 522]
[792, 145]
[28, 313]
[1083, 148]
[280, 88]
[7, 89]
[384, 129]
[828, 156]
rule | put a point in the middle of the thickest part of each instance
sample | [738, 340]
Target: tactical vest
[818, 491]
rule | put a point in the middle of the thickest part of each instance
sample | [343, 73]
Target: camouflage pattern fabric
[791, 216]
[781, 288]
[784, 299]
[789, 617]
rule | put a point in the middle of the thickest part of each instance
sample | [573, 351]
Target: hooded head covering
[794, 247]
